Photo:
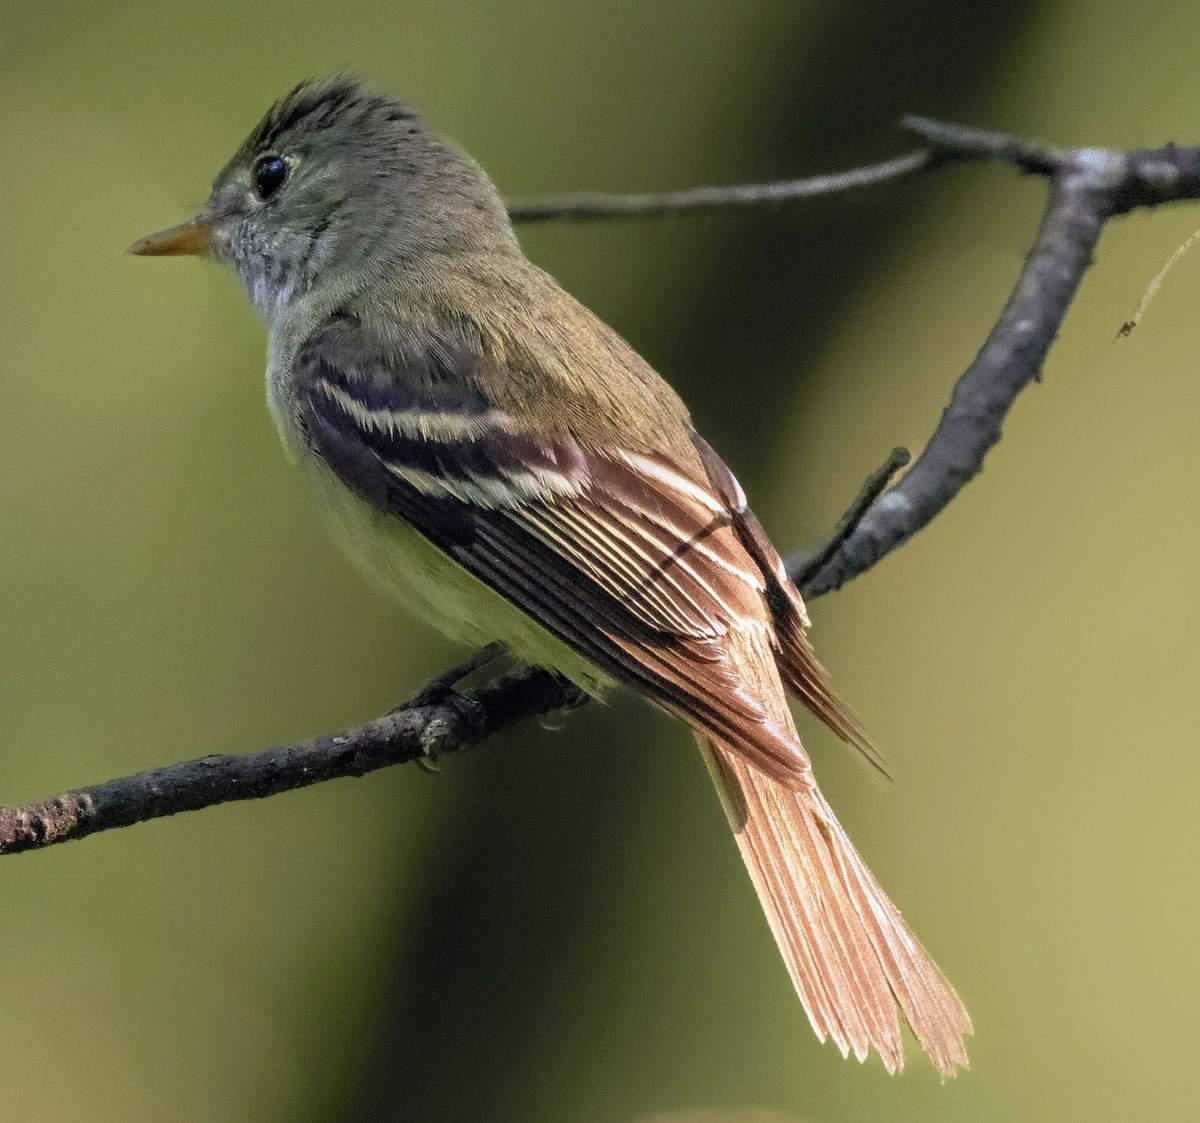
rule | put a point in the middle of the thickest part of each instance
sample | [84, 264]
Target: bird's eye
[270, 172]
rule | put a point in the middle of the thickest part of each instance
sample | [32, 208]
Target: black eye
[270, 172]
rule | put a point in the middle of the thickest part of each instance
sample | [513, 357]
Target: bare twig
[1127, 328]
[809, 560]
[588, 206]
[1087, 188]
[961, 142]
[420, 730]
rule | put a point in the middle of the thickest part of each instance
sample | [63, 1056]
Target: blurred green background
[558, 929]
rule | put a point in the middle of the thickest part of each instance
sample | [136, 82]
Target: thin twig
[809, 560]
[961, 142]
[588, 206]
[1127, 328]
[1087, 188]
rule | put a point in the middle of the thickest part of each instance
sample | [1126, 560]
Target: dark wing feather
[798, 664]
[627, 559]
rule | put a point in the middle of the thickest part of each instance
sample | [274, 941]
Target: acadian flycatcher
[498, 458]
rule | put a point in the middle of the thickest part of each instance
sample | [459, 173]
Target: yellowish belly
[408, 567]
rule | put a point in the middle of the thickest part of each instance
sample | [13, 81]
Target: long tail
[853, 960]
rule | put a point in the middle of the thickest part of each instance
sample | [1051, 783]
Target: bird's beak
[188, 239]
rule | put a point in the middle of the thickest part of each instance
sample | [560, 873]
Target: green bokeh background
[558, 930]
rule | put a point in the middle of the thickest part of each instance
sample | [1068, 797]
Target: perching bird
[497, 457]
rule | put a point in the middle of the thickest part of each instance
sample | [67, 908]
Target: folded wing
[628, 558]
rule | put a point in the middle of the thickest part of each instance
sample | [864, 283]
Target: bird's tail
[853, 960]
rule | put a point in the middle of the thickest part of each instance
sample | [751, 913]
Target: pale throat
[278, 290]
[284, 274]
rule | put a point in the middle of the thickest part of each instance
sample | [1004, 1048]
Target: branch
[589, 206]
[806, 563]
[1087, 188]
[423, 729]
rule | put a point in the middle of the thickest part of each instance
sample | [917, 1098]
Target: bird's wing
[630, 559]
[797, 662]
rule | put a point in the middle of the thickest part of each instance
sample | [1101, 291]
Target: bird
[492, 454]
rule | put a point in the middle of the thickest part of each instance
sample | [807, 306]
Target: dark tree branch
[1009, 360]
[437, 722]
[1087, 188]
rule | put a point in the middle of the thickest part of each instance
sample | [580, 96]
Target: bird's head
[337, 185]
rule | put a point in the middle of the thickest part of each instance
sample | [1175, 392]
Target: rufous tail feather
[854, 962]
